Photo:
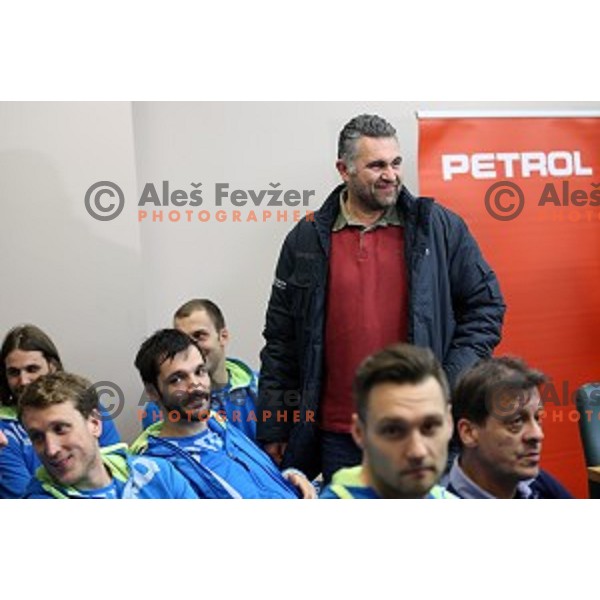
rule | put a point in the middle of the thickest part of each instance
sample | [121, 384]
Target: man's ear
[358, 431]
[151, 392]
[343, 169]
[468, 432]
[224, 336]
[95, 423]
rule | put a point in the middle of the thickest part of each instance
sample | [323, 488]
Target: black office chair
[588, 405]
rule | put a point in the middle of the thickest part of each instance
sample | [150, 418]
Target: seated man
[233, 383]
[60, 414]
[27, 353]
[497, 411]
[218, 460]
[402, 424]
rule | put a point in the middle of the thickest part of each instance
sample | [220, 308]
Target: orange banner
[529, 189]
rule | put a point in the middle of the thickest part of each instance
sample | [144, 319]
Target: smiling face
[23, 367]
[506, 449]
[201, 328]
[374, 176]
[404, 438]
[67, 444]
[184, 385]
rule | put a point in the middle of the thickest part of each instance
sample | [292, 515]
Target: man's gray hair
[363, 125]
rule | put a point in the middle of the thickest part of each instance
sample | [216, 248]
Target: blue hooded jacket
[134, 477]
[262, 479]
[18, 461]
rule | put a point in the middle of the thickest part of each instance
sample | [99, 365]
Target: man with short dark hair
[497, 414]
[60, 413]
[374, 267]
[402, 424]
[234, 385]
[218, 460]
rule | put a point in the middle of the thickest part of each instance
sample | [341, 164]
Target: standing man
[27, 354]
[234, 385]
[402, 424]
[374, 267]
[497, 411]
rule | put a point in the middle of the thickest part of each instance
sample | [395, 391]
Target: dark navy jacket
[455, 308]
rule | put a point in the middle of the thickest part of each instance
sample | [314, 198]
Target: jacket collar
[115, 460]
[415, 212]
[8, 413]
[462, 485]
[240, 374]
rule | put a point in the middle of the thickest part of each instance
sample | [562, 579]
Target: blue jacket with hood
[18, 461]
[134, 477]
[263, 479]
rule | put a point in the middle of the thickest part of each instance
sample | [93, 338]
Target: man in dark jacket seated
[497, 415]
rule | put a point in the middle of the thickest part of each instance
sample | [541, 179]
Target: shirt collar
[465, 487]
[344, 219]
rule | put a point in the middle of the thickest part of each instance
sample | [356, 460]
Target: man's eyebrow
[179, 373]
[184, 372]
[196, 333]
[23, 367]
[422, 419]
[381, 161]
[393, 420]
[511, 416]
[50, 425]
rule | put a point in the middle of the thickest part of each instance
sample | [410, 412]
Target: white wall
[77, 278]
[99, 288]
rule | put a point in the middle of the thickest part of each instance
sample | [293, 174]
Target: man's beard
[373, 199]
[193, 406]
